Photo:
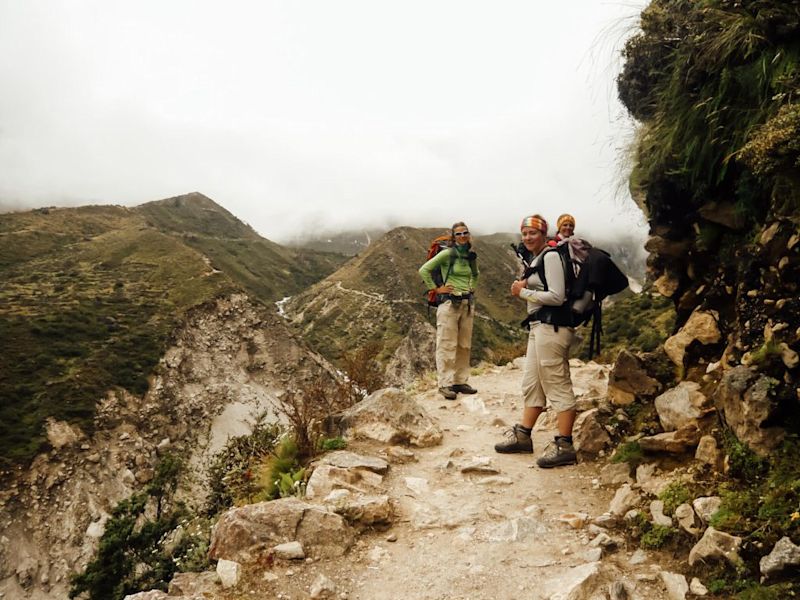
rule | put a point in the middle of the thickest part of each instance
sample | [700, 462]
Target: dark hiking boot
[558, 453]
[448, 393]
[517, 442]
[464, 388]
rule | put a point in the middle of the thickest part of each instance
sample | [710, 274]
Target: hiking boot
[464, 388]
[557, 453]
[448, 393]
[517, 442]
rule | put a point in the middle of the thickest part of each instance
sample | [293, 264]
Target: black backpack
[589, 276]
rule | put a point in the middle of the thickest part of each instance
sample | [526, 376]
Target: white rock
[706, 506]
[697, 588]
[229, 572]
[637, 558]
[289, 551]
[323, 587]
[676, 585]
[657, 512]
[418, 485]
[624, 500]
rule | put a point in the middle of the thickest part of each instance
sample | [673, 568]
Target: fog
[314, 115]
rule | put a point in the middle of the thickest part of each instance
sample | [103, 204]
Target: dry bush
[324, 396]
[363, 371]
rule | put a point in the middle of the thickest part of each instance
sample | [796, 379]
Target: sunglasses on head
[461, 233]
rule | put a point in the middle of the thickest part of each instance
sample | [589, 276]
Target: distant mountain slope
[377, 298]
[262, 267]
[91, 295]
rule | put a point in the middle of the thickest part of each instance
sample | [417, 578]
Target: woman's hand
[518, 286]
[445, 289]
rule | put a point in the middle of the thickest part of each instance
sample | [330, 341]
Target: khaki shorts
[547, 374]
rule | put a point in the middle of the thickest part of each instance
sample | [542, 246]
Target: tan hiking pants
[453, 342]
[546, 374]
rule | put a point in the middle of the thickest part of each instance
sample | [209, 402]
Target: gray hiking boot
[557, 453]
[448, 393]
[517, 441]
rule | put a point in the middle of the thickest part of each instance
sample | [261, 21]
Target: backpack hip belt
[456, 299]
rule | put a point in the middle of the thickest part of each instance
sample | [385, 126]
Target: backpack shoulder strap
[453, 255]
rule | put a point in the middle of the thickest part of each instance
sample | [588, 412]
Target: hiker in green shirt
[456, 311]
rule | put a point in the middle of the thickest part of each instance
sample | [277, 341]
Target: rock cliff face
[717, 173]
[224, 366]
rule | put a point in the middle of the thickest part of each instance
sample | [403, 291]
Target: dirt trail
[478, 535]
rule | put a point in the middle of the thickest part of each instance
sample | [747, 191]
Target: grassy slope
[86, 308]
[265, 269]
[90, 296]
[335, 321]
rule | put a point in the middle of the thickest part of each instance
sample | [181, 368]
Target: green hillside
[90, 296]
[377, 297]
[267, 270]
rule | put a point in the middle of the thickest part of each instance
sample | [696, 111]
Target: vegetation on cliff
[715, 85]
[90, 296]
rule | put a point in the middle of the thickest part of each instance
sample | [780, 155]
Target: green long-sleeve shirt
[461, 276]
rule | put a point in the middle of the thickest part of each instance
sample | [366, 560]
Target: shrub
[133, 554]
[629, 452]
[675, 494]
[657, 536]
[232, 474]
[335, 443]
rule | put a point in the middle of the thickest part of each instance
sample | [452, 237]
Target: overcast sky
[320, 114]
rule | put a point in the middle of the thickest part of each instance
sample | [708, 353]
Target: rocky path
[470, 523]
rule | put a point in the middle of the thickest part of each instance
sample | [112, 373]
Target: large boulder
[743, 398]
[390, 416]
[629, 380]
[244, 533]
[682, 405]
[702, 326]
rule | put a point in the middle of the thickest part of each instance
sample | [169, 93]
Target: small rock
[686, 518]
[716, 545]
[637, 558]
[706, 506]
[592, 555]
[697, 588]
[496, 480]
[323, 587]
[676, 585]
[784, 555]
[574, 520]
[391, 537]
[657, 512]
[289, 551]
[401, 455]
[229, 572]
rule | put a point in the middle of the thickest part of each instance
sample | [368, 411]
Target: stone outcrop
[629, 380]
[744, 400]
[702, 326]
[225, 365]
[682, 405]
[245, 533]
[389, 416]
